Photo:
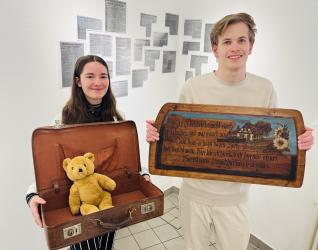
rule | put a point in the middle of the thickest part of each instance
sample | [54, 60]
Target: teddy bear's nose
[80, 170]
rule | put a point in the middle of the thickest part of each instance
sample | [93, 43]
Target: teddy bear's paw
[74, 210]
[105, 207]
[88, 209]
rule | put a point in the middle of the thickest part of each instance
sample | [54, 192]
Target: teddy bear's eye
[72, 168]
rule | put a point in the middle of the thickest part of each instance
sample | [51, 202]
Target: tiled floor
[162, 233]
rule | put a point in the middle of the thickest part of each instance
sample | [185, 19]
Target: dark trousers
[103, 242]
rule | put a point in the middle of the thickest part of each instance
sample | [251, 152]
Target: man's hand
[152, 131]
[306, 140]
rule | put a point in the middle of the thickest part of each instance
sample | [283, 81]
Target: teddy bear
[87, 194]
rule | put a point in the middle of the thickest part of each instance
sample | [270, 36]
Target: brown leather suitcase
[116, 150]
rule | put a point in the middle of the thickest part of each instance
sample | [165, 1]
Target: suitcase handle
[112, 226]
[115, 226]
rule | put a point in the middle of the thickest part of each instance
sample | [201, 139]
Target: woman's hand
[34, 206]
[146, 177]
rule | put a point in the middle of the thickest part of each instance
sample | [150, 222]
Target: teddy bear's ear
[65, 163]
[90, 156]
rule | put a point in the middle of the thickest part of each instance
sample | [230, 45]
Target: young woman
[91, 101]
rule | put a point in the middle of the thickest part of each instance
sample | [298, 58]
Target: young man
[215, 213]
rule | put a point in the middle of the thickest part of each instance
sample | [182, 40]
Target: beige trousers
[214, 228]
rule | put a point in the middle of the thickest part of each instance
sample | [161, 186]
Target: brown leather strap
[115, 226]
[112, 226]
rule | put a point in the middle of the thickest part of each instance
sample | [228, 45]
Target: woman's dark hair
[76, 109]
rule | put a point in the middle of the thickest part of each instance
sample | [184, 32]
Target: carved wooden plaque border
[239, 144]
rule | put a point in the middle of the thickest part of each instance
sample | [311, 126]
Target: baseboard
[171, 190]
[259, 243]
[253, 239]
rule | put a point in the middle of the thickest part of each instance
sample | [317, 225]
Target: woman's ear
[78, 81]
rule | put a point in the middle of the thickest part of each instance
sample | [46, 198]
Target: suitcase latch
[147, 208]
[72, 231]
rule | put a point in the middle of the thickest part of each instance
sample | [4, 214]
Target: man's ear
[215, 50]
[251, 49]
[78, 81]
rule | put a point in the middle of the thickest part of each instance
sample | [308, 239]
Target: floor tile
[175, 244]
[121, 233]
[156, 222]
[146, 239]
[143, 226]
[180, 231]
[167, 217]
[126, 243]
[176, 223]
[156, 247]
[175, 212]
[161, 233]
[166, 232]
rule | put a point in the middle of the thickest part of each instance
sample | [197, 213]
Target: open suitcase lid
[114, 144]
[239, 144]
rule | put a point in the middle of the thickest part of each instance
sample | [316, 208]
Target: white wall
[285, 52]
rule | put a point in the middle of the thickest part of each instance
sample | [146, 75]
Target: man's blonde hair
[228, 20]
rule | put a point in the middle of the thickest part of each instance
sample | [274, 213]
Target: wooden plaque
[238, 144]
